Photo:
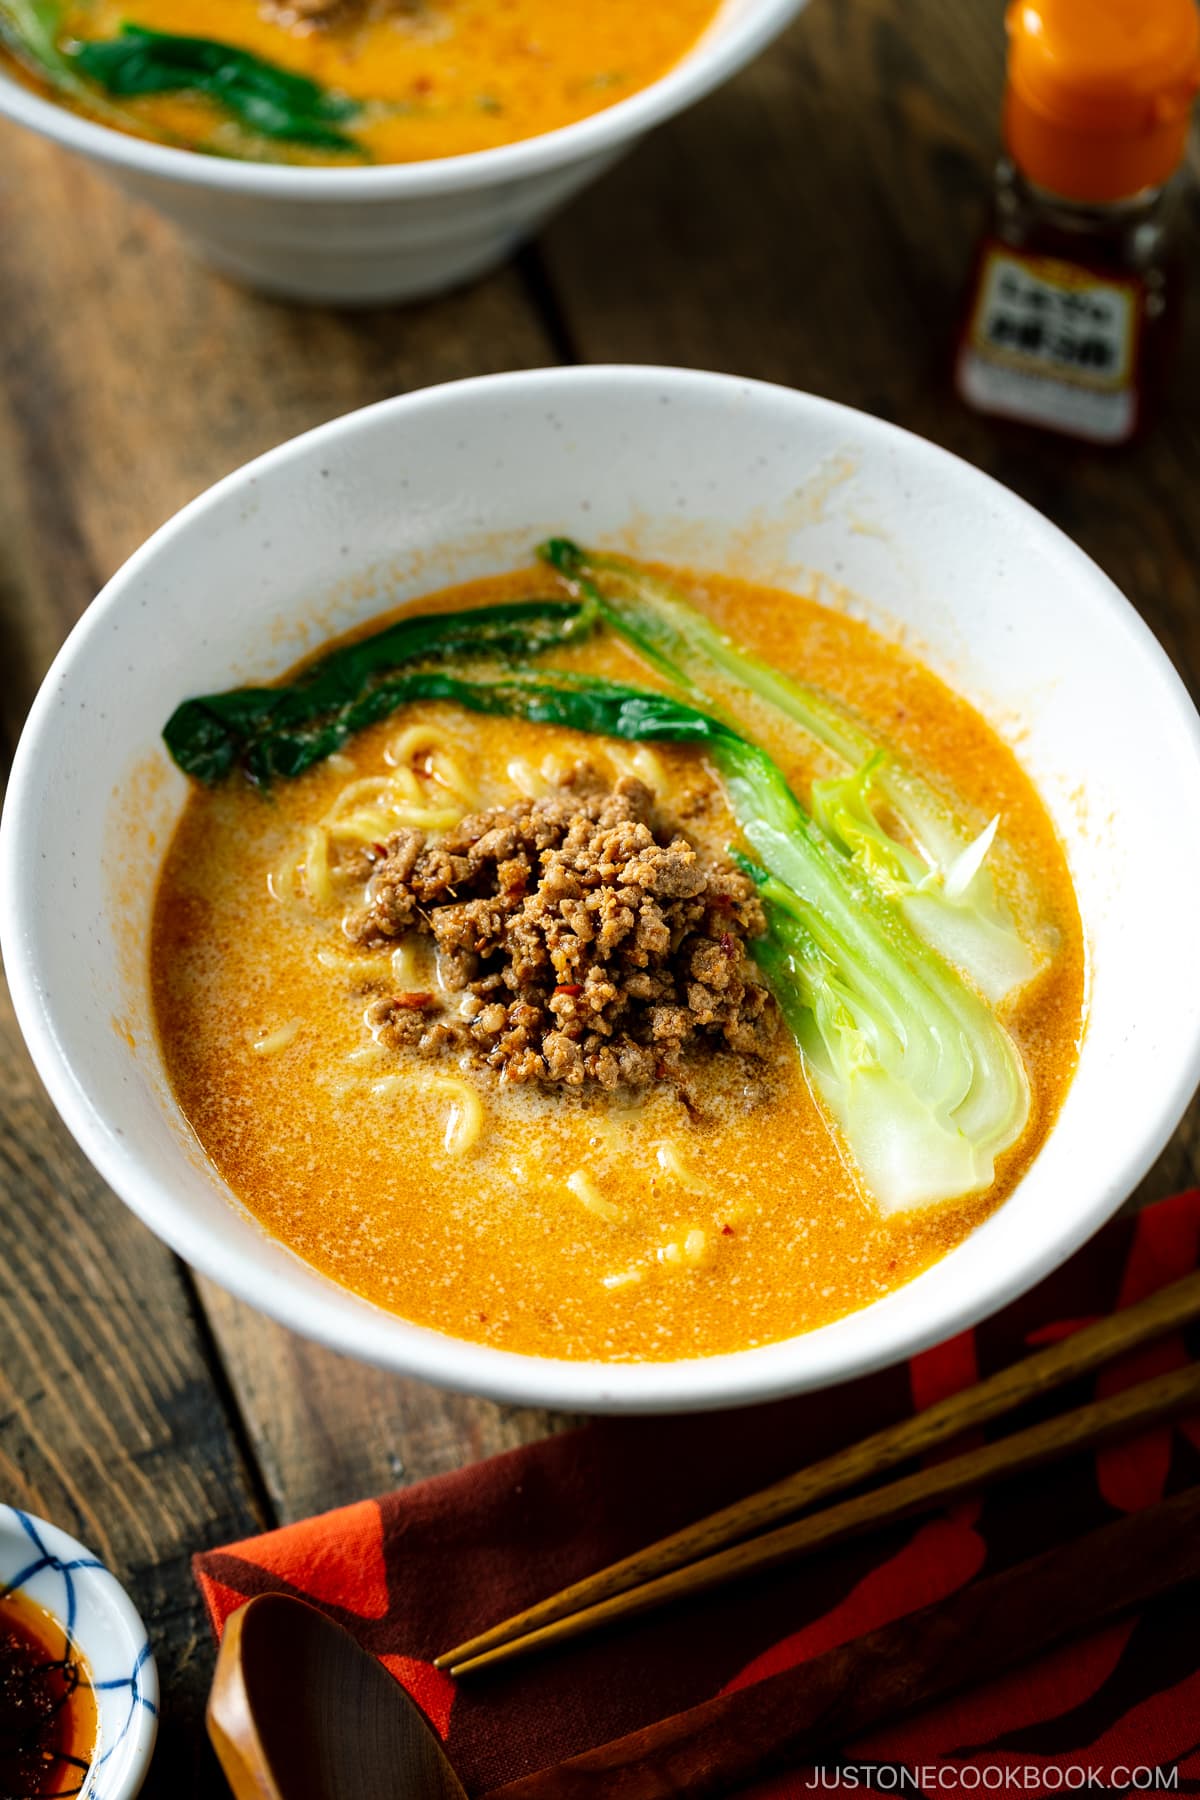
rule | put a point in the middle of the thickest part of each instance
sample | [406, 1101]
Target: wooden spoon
[299, 1711]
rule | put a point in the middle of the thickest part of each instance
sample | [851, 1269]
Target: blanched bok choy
[264, 103]
[262, 98]
[271, 732]
[923, 1079]
[935, 866]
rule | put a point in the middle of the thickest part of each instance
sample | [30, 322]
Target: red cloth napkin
[417, 1571]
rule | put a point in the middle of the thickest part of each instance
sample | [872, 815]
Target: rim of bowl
[126, 1776]
[717, 54]
[734, 1378]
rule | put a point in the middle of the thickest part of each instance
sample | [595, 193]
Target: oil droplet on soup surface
[543, 1220]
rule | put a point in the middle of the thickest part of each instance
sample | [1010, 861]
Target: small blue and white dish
[56, 1573]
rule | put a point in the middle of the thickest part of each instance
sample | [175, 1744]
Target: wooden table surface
[810, 224]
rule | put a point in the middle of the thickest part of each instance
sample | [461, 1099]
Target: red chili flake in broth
[570, 988]
[413, 1002]
[727, 1231]
[380, 850]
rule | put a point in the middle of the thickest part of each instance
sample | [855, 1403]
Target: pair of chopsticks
[723, 1546]
[824, 1705]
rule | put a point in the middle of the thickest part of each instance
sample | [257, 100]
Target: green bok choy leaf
[265, 99]
[942, 883]
[281, 731]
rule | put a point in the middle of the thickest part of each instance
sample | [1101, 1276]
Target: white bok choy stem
[923, 1079]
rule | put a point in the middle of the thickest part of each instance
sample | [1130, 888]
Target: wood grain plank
[110, 1423]
[348, 1431]
[130, 379]
[813, 224]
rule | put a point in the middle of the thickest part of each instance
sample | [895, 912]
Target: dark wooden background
[811, 224]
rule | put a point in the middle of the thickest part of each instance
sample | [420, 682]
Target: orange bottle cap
[1099, 93]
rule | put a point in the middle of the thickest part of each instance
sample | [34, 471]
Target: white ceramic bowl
[363, 236]
[457, 481]
[96, 1615]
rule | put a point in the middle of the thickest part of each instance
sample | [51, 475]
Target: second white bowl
[396, 231]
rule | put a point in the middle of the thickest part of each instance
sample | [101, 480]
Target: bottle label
[1053, 344]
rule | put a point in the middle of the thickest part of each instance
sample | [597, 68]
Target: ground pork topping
[588, 941]
[335, 13]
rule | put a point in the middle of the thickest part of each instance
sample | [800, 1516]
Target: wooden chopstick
[827, 1703]
[1097, 1423]
[1081, 1353]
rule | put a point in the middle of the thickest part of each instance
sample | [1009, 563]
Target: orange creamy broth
[457, 75]
[493, 1245]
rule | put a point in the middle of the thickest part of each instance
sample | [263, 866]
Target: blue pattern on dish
[132, 1681]
[66, 1613]
[46, 1559]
